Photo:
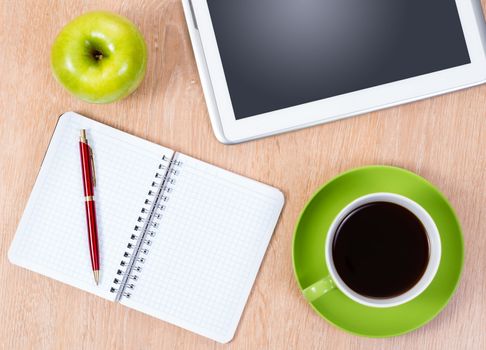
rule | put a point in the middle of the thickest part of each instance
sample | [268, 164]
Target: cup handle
[319, 288]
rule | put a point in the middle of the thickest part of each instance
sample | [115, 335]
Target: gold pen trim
[83, 138]
[96, 274]
[89, 198]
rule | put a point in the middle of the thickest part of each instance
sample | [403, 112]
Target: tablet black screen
[282, 53]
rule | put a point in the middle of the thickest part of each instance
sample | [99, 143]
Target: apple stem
[97, 55]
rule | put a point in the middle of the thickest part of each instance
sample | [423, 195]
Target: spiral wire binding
[141, 239]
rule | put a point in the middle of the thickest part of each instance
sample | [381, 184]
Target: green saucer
[309, 261]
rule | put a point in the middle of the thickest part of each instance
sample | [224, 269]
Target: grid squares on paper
[53, 237]
[207, 251]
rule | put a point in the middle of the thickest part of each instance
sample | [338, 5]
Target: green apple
[99, 57]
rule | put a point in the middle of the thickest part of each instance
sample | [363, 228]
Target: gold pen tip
[96, 274]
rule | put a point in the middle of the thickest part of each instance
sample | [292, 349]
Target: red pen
[89, 182]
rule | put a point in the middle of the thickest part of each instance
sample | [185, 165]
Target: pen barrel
[88, 187]
[86, 169]
[92, 234]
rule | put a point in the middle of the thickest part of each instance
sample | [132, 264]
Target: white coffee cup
[333, 280]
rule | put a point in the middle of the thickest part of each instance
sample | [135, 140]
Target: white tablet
[270, 66]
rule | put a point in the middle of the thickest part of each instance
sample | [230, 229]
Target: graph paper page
[211, 239]
[51, 238]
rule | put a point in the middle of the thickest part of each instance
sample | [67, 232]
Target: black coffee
[380, 250]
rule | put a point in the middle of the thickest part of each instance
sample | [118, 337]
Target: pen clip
[92, 166]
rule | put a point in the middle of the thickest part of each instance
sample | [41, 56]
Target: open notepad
[179, 239]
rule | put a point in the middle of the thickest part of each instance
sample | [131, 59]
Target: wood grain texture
[442, 139]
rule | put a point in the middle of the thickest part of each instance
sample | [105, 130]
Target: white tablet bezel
[337, 107]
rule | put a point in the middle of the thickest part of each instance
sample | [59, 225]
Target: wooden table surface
[442, 139]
